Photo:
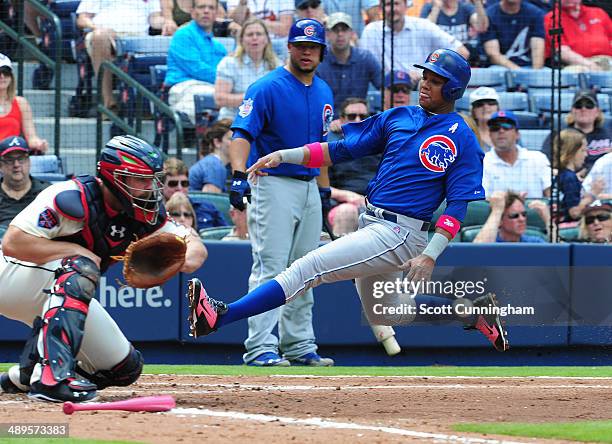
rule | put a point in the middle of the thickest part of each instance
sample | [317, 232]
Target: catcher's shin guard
[55, 378]
[121, 375]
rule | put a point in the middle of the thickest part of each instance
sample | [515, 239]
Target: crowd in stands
[362, 36]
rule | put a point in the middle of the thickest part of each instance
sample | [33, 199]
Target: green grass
[239, 370]
[587, 431]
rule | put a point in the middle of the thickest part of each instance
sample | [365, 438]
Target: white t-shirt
[411, 45]
[123, 16]
[602, 168]
[530, 173]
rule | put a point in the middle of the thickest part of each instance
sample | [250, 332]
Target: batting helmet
[126, 157]
[452, 66]
[308, 30]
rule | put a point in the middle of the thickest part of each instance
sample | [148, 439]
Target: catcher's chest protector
[102, 234]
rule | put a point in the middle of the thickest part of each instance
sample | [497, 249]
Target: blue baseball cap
[504, 116]
[13, 143]
[398, 78]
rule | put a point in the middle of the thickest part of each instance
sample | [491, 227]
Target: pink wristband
[316, 155]
[449, 224]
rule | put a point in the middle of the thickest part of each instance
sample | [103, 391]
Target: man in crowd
[312, 9]
[356, 9]
[508, 166]
[193, 58]
[515, 37]
[346, 69]
[17, 187]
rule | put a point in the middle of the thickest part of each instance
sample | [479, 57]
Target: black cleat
[7, 386]
[490, 324]
[204, 311]
[73, 390]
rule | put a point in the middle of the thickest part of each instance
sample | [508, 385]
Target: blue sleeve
[254, 111]
[191, 61]
[457, 209]
[464, 177]
[239, 133]
[571, 187]
[195, 177]
[360, 139]
[212, 174]
[426, 10]
[537, 27]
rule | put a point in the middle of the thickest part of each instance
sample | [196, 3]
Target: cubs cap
[504, 116]
[13, 143]
[398, 78]
[337, 18]
[483, 93]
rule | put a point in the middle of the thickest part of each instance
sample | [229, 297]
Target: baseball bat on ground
[143, 404]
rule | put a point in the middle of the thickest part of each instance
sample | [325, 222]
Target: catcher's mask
[132, 171]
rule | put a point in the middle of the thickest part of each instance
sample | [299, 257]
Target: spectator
[507, 221]
[180, 209]
[587, 117]
[107, 20]
[176, 181]
[600, 173]
[240, 230]
[515, 37]
[193, 58]
[510, 167]
[414, 39]
[586, 42]
[596, 223]
[346, 69]
[571, 147]
[17, 187]
[484, 102]
[210, 173]
[356, 9]
[176, 13]
[398, 86]
[276, 14]
[312, 9]
[15, 112]
[462, 20]
[254, 57]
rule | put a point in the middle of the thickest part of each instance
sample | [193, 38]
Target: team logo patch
[309, 30]
[434, 57]
[437, 153]
[47, 219]
[245, 109]
[328, 117]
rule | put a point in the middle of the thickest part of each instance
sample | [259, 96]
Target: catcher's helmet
[451, 65]
[126, 157]
[308, 30]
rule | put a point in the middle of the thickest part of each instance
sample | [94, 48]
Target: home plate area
[316, 409]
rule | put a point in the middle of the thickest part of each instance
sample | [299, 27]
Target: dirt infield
[313, 409]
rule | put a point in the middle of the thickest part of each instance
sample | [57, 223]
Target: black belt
[302, 178]
[393, 218]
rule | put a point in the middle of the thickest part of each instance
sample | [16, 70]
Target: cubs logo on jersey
[328, 117]
[437, 153]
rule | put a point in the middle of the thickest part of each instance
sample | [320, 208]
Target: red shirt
[10, 124]
[589, 35]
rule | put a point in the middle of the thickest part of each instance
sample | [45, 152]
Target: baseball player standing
[53, 254]
[290, 106]
[429, 154]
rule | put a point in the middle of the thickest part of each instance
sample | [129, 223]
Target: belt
[303, 178]
[392, 217]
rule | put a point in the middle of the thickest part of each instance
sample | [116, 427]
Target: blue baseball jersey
[279, 111]
[426, 158]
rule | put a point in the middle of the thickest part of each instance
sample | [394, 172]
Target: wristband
[448, 224]
[436, 246]
[293, 155]
[316, 155]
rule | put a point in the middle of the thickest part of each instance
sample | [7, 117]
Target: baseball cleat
[312, 360]
[8, 386]
[73, 390]
[269, 359]
[490, 324]
[203, 310]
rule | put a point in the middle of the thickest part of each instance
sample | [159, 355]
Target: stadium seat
[510, 101]
[477, 213]
[597, 81]
[219, 200]
[533, 138]
[468, 234]
[215, 233]
[529, 120]
[158, 75]
[49, 163]
[569, 234]
[527, 79]
[206, 112]
[492, 77]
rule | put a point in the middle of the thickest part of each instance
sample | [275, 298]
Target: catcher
[53, 254]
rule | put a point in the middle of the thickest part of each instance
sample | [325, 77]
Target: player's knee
[78, 277]
[123, 374]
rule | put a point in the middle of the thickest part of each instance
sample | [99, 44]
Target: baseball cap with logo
[586, 95]
[13, 143]
[483, 93]
[5, 62]
[398, 78]
[337, 18]
[599, 205]
[504, 116]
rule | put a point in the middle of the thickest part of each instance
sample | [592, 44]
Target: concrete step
[70, 76]
[43, 102]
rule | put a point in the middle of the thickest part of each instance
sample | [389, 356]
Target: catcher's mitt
[152, 260]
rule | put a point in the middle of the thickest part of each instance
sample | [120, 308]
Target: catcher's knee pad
[123, 374]
[64, 319]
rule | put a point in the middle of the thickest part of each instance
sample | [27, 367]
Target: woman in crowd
[209, 174]
[484, 102]
[254, 57]
[180, 209]
[596, 223]
[15, 112]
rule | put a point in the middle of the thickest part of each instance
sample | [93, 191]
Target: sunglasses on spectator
[175, 183]
[11, 160]
[516, 215]
[179, 214]
[5, 70]
[479, 103]
[584, 104]
[600, 217]
[400, 88]
[497, 126]
[353, 116]
[311, 5]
